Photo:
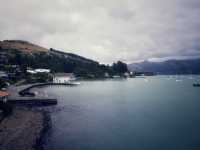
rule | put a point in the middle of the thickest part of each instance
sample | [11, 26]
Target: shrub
[6, 108]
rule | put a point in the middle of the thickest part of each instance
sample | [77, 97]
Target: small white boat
[73, 83]
[179, 80]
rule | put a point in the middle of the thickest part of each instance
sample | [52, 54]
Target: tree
[119, 68]
[2, 83]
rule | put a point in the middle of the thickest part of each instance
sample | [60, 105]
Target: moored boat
[196, 84]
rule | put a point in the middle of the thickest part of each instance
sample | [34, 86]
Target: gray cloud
[106, 30]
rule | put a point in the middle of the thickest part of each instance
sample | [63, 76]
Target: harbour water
[153, 113]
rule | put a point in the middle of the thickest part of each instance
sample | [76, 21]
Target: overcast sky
[106, 30]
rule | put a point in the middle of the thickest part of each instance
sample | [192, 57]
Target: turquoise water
[155, 113]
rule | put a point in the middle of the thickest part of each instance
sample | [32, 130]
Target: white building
[106, 75]
[63, 77]
[31, 71]
[126, 74]
[3, 74]
[35, 71]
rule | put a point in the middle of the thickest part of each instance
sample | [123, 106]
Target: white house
[3, 74]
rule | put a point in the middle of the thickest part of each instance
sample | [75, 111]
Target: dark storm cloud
[106, 30]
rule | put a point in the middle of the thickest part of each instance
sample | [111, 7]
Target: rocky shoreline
[25, 129]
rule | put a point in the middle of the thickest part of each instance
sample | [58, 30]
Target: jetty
[26, 91]
[34, 101]
[23, 95]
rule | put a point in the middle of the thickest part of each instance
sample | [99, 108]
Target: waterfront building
[63, 77]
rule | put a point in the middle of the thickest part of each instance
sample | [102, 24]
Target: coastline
[24, 129]
[46, 125]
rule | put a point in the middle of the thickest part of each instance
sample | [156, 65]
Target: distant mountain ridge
[187, 66]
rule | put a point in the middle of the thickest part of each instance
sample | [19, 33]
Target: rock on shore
[21, 130]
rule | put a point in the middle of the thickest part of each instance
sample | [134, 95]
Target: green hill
[26, 54]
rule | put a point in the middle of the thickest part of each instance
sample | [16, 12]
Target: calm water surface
[155, 113]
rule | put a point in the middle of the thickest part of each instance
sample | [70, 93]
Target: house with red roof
[4, 96]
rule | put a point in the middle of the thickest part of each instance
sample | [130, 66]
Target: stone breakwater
[24, 129]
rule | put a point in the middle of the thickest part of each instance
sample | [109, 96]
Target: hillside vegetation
[29, 55]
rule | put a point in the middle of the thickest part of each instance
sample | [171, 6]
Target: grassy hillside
[25, 54]
[21, 46]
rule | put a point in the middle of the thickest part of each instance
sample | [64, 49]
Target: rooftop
[3, 94]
